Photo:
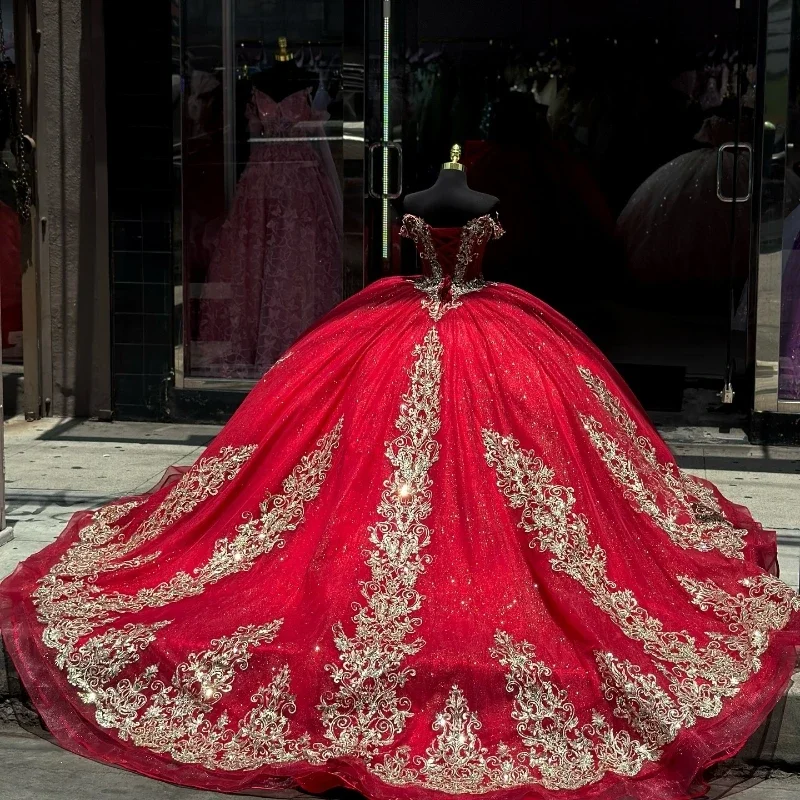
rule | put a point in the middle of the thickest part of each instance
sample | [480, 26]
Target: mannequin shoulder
[417, 202]
[488, 201]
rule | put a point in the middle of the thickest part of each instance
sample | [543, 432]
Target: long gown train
[438, 550]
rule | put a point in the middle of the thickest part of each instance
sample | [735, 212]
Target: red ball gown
[439, 550]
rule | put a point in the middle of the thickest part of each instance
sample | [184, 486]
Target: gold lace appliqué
[366, 712]
[473, 235]
[176, 717]
[66, 598]
[101, 545]
[256, 537]
[648, 708]
[456, 762]
[561, 753]
[680, 505]
[699, 677]
[77, 614]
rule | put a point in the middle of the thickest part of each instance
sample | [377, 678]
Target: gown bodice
[451, 254]
[430, 557]
[451, 259]
[283, 118]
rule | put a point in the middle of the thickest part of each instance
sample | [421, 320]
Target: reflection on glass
[597, 126]
[789, 375]
[262, 198]
[10, 265]
[789, 371]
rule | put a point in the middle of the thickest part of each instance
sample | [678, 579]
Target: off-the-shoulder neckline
[448, 227]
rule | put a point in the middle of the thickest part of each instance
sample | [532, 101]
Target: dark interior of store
[599, 128]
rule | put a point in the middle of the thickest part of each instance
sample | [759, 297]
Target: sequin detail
[456, 762]
[83, 558]
[366, 712]
[176, 718]
[699, 677]
[79, 614]
[100, 659]
[442, 295]
[685, 509]
[101, 543]
[257, 536]
[648, 708]
[66, 598]
[419, 232]
[561, 753]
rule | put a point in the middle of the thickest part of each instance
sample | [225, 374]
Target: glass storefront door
[777, 317]
[619, 140]
[785, 24]
[10, 263]
[268, 151]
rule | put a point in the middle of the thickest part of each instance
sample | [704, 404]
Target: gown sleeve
[497, 229]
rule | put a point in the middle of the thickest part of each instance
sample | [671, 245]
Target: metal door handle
[371, 170]
[748, 148]
[385, 193]
[399, 190]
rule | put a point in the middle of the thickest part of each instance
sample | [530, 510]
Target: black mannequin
[284, 77]
[450, 202]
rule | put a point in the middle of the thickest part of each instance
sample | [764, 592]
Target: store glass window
[260, 167]
[618, 138]
[10, 270]
[789, 371]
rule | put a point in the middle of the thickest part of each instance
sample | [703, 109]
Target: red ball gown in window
[439, 550]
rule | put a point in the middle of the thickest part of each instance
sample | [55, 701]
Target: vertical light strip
[385, 133]
[229, 98]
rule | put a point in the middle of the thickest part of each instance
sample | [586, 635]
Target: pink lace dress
[277, 265]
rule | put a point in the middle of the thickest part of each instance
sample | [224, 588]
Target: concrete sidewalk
[57, 467]
[34, 769]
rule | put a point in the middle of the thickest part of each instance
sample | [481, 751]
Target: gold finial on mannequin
[455, 155]
[282, 53]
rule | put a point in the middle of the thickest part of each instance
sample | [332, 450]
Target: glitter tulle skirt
[425, 557]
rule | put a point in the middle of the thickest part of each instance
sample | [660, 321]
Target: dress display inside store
[439, 550]
[275, 263]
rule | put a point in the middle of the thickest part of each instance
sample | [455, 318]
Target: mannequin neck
[449, 202]
[283, 79]
[451, 179]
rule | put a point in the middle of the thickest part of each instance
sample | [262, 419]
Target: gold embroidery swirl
[80, 613]
[679, 504]
[639, 698]
[768, 605]
[204, 480]
[81, 560]
[699, 677]
[419, 232]
[561, 753]
[456, 762]
[66, 599]
[648, 708]
[175, 717]
[473, 235]
[366, 712]
[101, 544]
[97, 662]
